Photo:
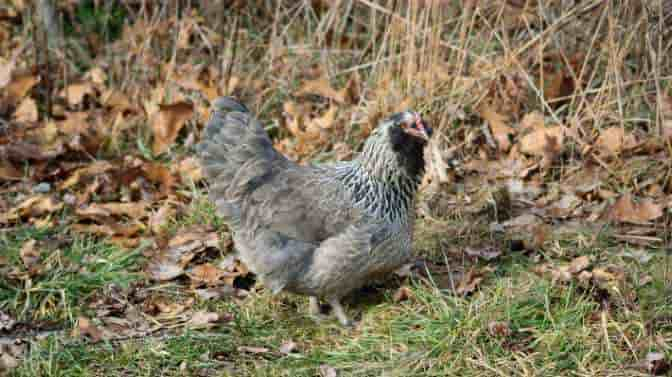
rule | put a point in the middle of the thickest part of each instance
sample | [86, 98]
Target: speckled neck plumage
[383, 180]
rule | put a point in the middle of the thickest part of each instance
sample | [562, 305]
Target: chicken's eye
[414, 126]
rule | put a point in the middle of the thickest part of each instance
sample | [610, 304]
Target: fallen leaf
[579, 264]
[402, 294]
[469, 283]
[7, 362]
[615, 139]
[109, 229]
[206, 319]
[97, 75]
[35, 206]
[219, 292]
[116, 99]
[190, 170]
[208, 274]
[499, 128]
[171, 261]
[499, 329]
[288, 347]
[75, 93]
[159, 219]
[86, 328]
[6, 322]
[322, 87]
[167, 123]
[543, 141]
[27, 111]
[9, 172]
[21, 84]
[160, 175]
[602, 275]
[324, 122]
[134, 210]
[164, 270]
[6, 68]
[256, 350]
[327, 371]
[487, 252]
[29, 254]
[657, 364]
[626, 210]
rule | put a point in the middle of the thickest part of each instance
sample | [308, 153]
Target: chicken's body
[318, 230]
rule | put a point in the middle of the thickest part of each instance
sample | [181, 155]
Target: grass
[69, 275]
[517, 323]
[545, 328]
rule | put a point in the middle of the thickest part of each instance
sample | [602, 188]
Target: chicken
[317, 230]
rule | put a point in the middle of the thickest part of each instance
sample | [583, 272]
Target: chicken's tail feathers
[234, 151]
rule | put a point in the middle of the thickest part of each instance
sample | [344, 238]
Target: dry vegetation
[544, 230]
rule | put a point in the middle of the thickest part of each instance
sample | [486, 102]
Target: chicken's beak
[420, 130]
[425, 130]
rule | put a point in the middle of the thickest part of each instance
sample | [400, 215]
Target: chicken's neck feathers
[378, 184]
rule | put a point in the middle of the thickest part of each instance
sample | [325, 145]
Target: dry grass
[589, 66]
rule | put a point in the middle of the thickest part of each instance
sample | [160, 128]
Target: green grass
[554, 329]
[72, 269]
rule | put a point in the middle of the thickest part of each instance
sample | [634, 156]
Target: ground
[542, 235]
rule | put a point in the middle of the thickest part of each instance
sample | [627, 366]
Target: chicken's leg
[314, 306]
[340, 312]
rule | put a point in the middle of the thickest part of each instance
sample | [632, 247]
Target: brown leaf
[29, 255]
[288, 347]
[167, 123]
[256, 350]
[27, 111]
[324, 122]
[615, 139]
[9, 172]
[190, 170]
[327, 371]
[117, 100]
[657, 364]
[543, 141]
[35, 206]
[579, 264]
[97, 75]
[134, 210]
[86, 328]
[159, 174]
[159, 219]
[7, 362]
[75, 93]
[208, 274]
[93, 169]
[22, 151]
[499, 329]
[626, 210]
[402, 294]
[602, 275]
[322, 87]
[110, 229]
[164, 270]
[181, 249]
[21, 84]
[219, 292]
[206, 319]
[486, 252]
[469, 283]
[6, 68]
[498, 126]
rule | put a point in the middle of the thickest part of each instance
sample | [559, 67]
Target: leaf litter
[98, 157]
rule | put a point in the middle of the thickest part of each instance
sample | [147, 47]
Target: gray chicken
[318, 230]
